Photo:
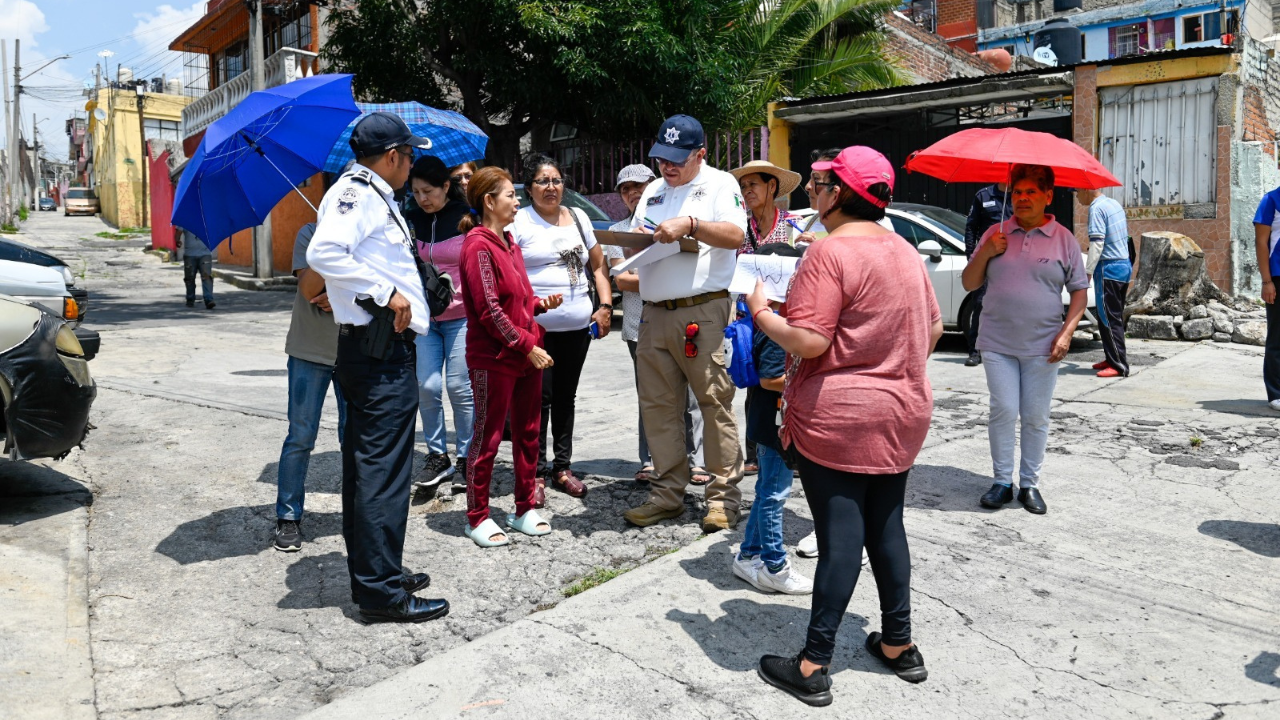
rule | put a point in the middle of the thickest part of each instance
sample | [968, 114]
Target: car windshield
[948, 220]
[80, 194]
[573, 199]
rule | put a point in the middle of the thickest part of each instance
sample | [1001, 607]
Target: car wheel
[965, 318]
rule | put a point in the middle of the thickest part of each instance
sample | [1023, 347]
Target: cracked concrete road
[1149, 590]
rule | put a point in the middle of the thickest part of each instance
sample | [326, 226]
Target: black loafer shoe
[975, 359]
[411, 609]
[909, 665]
[1032, 501]
[410, 582]
[997, 497]
[784, 674]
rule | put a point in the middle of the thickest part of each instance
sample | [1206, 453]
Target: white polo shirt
[362, 249]
[712, 196]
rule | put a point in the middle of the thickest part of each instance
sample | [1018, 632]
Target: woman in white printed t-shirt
[561, 257]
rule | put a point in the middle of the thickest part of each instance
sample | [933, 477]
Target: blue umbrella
[259, 152]
[454, 138]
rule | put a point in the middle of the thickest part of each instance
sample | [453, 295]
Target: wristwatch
[607, 305]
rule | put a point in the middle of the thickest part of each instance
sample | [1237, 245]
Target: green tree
[612, 67]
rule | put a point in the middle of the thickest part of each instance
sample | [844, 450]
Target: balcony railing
[285, 65]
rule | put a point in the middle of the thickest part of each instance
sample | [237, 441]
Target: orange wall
[288, 216]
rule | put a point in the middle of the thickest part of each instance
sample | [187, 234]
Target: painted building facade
[117, 146]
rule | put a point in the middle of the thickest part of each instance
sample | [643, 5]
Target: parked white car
[938, 234]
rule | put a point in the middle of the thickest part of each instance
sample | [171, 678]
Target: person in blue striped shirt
[1111, 270]
[1266, 226]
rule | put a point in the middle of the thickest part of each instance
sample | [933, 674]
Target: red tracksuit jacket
[500, 304]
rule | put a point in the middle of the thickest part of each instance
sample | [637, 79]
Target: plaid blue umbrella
[454, 138]
[258, 153]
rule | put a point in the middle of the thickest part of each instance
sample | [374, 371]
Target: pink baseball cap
[860, 167]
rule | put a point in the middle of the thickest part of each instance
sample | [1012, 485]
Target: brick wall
[1212, 234]
[927, 56]
[1255, 125]
[958, 23]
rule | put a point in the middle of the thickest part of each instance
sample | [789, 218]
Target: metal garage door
[1160, 140]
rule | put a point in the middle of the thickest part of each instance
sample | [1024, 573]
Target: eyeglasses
[817, 184]
[543, 182]
[405, 150]
[687, 160]
[690, 334]
[461, 177]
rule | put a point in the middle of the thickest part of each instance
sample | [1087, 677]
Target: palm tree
[806, 48]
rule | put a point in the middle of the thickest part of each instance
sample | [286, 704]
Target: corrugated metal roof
[1052, 70]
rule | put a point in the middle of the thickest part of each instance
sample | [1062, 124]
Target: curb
[285, 283]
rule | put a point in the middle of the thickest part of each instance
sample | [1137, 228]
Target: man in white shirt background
[363, 250]
[686, 307]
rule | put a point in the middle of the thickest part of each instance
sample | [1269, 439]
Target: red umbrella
[985, 156]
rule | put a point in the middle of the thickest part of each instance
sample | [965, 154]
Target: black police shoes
[1031, 500]
[997, 497]
[411, 582]
[411, 609]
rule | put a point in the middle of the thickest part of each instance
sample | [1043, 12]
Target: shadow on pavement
[317, 581]
[1244, 408]
[1263, 669]
[238, 532]
[1260, 538]
[26, 491]
[107, 308]
[950, 489]
[324, 472]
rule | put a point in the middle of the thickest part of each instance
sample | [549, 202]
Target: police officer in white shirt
[686, 307]
[362, 248]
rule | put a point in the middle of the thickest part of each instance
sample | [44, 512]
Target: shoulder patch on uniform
[347, 201]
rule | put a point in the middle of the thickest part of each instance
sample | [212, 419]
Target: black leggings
[560, 396]
[848, 510]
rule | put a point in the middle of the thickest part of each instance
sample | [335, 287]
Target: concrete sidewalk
[1149, 590]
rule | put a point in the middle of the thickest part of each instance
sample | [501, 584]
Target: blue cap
[679, 136]
[379, 132]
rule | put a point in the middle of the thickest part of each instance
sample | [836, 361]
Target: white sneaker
[749, 569]
[1275, 405]
[808, 545]
[787, 580]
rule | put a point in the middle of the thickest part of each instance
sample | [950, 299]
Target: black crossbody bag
[589, 271]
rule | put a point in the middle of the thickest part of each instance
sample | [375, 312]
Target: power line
[130, 36]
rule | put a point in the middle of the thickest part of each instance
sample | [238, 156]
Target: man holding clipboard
[686, 307]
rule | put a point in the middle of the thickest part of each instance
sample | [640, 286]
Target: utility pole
[6, 196]
[15, 171]
[146, 159]
[35, 163]
[262, 251]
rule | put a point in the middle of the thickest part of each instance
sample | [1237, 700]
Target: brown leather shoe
[568, 483]
[540, 494]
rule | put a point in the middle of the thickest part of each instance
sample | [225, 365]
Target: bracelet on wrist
[757, 313]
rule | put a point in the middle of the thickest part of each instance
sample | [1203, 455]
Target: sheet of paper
[648, 256]
[636, 241]
[774, 270]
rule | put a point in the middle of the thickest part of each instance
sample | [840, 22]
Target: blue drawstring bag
[739, 339]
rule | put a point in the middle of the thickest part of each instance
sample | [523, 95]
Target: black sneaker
[436, 469]
[784, 674]
[460, 477]
[288, 536]
[191, 303]
[975, 359]
[210, 305]
[909, 665]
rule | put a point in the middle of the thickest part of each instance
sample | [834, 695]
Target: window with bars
[155, 129]
[1163, 34]
[1127, 42]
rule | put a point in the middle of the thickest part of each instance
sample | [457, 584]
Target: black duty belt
[690, 301]
[358, 331]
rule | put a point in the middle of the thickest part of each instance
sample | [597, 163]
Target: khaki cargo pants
[665, 374]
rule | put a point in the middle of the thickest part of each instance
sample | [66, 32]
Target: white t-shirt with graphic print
[557, 262]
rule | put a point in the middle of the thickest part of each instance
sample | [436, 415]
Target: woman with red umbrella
[1025, 264]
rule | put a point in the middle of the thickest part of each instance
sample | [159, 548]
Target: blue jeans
[442, 364]
[763, 535]
[308, 384]
[1021, 389]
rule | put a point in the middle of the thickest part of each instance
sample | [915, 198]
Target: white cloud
[156, 29]
[22, 20]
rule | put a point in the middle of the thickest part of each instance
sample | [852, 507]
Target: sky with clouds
[136, 31]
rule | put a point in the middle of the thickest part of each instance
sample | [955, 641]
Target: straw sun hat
[788, 181]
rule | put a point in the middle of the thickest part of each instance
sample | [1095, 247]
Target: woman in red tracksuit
[504, 356]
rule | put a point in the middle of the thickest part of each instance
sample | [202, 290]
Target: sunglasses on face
[460, 177]
[690, 334]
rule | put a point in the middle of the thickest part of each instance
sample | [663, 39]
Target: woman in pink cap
[856, 372]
